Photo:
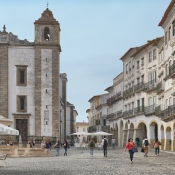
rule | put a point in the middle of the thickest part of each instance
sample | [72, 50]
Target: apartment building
[148, 100]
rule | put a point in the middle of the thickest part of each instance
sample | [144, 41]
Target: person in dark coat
[105, 143]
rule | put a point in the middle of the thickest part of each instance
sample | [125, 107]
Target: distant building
[81, 127]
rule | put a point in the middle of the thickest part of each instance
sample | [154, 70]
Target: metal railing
[128, 113]
[172, 69]
[128, 92]
[167, 113]
[158, 110]
[139, 110]
[150, 85]
[160, 87]
[111, 116]
[119, 114]
[114, 98]
[139, 87]
[149, 110]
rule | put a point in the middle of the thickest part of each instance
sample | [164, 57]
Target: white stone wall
[19, 55]
[46, 92]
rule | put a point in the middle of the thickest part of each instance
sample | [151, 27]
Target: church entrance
[22, 127]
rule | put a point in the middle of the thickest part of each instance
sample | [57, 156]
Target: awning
[7, 130]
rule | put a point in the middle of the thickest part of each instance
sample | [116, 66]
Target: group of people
[46, 144]
[91, 146]
[145, 143]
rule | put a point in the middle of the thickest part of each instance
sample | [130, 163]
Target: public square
[79, 163]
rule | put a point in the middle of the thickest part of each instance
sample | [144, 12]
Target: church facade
[29, 79]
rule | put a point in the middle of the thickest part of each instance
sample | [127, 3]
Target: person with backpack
[145, 145]
[57, 147]
[91, 146]
[156, 145]
[65, 147]
[130, 145]
[105, 143]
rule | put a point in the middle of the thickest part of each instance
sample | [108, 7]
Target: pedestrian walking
[130, 145]
[137, 140]
[105, 143]
[91, 146]
[156, 145]
[57, 147]
[65, 147]
[113, 143]
[145, 145]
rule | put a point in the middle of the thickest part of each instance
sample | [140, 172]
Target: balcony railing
[111, 116]
[160, 87]
[158, 110]
[151, 85]
[168, 113]
[119, 114]
[91, 128]
[139, 110]
[139, 87]
[128, 92]
[172, 70]
[114, 98]
[128, 114]
[150, 110]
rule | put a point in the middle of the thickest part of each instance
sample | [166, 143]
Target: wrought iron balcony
[92, 128]
[150, 110]
[115, 98]
[128, 114]
[158, 110]
[160, 87]
[128, 92]
[172, 70]
[169, 113]
[119, 114]
[139, 87]
[139, 110]
[150, 86]
[111, 116]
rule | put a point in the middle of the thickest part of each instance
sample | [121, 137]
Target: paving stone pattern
[78, 163]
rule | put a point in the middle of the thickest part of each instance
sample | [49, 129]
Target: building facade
[148, 102]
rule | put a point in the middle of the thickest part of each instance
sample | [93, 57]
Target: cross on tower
[47, 4]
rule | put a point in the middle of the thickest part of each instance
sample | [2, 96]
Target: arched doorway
[125, 137]
[162, 137]
[121, 133]
[141, 132]
[131, 131]
[153, 132]
[168, 140]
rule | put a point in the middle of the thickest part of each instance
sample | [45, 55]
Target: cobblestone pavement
[78, 163]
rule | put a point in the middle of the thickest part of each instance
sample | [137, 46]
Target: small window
[173, 28]
[165, 38]
[21, 103]
[150, 56]
[21, 75]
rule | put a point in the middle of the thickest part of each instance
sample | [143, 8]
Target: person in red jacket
[130, 145]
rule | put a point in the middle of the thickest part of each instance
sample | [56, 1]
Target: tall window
[166, 103]
[138, 80]
[173, 27]
[154, 76]
[138, 103]
[21, 75]
[154, 54]
[165, 38]
[150, 101]
[142, 64]
[170, 101]
[167, 70]
[142, 78]
[21, 103]
[154, 100]
[169, 33]
[138, 65]
[126, 69]
[150, 56]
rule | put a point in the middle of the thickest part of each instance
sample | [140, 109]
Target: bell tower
[47, 73]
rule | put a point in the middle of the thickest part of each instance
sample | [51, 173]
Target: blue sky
[94, 35]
